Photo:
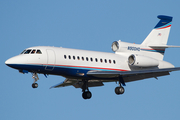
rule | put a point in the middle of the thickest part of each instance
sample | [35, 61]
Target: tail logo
[159, 34]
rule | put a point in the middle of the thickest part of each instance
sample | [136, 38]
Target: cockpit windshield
[31, 51]
[38, 52]
[27, 51]
[23, 51]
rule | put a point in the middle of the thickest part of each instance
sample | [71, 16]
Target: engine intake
[142, 61]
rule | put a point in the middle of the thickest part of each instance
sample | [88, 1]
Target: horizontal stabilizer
[164, 46]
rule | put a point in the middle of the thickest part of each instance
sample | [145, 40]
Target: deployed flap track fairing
[84, 69]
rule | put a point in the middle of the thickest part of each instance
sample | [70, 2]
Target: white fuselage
[72, 63]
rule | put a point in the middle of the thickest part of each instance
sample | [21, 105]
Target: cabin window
[114, 61]
[78, 58]
[69, 57]
[105, 60]
[109, 61]
[91, 59]
[28, 51]
[74, 57]
[83, 58]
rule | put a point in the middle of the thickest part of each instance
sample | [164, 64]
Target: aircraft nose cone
[12, 61]
[8, 62]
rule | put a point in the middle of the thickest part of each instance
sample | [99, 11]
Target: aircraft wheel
[119, 90]
[87, 95]
[84, 95]
[34, 85]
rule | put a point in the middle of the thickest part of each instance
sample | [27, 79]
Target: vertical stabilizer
[159, 35]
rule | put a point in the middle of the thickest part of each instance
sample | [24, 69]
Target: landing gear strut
[120, 90]
[36, 78]
[86, 93]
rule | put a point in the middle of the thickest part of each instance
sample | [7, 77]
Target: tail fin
[156, 42]
[159, 35]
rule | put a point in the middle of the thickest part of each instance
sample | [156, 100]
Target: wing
[129, 76]
[66, 82]
[78, 83]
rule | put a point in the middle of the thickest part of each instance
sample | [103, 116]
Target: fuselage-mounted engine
[142, 61]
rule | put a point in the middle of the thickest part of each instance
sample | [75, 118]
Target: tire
[119, 90]
[34, 85]
[86, 95]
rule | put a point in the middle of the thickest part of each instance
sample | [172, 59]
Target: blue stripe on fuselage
[56, 70]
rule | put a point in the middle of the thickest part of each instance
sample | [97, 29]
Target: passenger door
[51, 59]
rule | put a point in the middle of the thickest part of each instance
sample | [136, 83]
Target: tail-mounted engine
[119, 46]
[142, 61]
[115, 46]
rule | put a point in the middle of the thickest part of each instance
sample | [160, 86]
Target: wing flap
[78, 83]
[91, 83]
[66, 82]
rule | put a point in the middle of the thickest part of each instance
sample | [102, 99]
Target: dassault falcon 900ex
[84, 69]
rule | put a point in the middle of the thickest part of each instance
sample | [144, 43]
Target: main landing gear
[36, 78]
[120, 90]
[86, 93]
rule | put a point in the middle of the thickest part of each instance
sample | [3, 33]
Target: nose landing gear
[34, 85]
[36, 78]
